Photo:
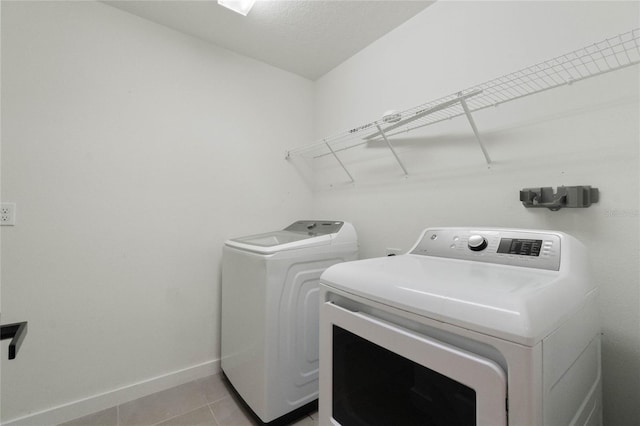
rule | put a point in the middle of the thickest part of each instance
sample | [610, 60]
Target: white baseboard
[95, 403]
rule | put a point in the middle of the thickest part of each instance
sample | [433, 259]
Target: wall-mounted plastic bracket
[16, 332]
[565, 196]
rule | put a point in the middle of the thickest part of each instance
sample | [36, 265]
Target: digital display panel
[520, 246]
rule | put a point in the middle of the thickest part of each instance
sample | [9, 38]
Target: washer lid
[300, 234]
[517, 304]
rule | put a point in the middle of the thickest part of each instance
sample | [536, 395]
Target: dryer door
[373, 372]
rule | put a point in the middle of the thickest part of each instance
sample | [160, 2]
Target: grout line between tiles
[214, 414]
[215, 419]
[182, 414]
[219, 399]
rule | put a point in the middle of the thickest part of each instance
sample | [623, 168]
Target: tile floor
[203, 402]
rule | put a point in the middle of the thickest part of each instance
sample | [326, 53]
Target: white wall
[584, 134]
[132, 152]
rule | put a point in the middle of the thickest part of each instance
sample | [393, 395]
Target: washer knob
[477, 243]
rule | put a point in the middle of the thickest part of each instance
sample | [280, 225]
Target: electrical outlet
[8, 214]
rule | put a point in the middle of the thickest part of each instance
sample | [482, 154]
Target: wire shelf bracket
[475, 130]
[339, 161]
[608, 55]
[393, 151]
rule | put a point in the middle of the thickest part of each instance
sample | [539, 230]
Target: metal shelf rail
[599, 58]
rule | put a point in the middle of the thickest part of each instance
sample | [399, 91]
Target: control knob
[477, 243]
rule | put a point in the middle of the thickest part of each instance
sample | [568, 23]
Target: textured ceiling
[305, 37]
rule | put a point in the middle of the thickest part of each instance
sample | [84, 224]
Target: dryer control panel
[527, 248]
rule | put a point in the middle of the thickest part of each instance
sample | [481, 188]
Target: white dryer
[269, 338]
[471, 327]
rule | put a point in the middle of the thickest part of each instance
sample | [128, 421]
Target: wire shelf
[599, 58]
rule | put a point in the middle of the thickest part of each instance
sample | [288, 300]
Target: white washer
[269, 339]
[471, 327]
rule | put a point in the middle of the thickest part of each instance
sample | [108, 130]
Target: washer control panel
[532, 249]
[315, 227]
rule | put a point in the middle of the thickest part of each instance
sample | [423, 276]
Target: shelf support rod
[395, 154]
[339, 161]
[463, 102]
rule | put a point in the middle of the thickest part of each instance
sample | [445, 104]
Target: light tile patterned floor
[203, 402]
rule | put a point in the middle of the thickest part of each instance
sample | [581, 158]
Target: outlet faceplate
[8, 214]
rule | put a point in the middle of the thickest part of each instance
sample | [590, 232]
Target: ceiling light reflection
[240, 6]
